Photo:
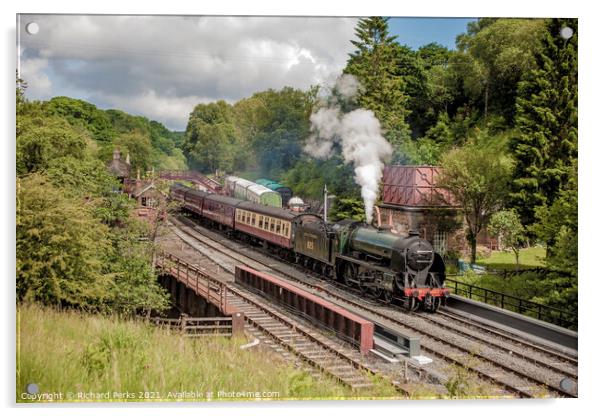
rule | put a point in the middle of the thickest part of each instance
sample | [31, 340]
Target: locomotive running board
[364, 263]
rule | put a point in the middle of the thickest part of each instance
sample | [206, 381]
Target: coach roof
[271, 211]
[223, 199]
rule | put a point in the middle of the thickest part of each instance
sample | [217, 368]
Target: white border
[589, 172]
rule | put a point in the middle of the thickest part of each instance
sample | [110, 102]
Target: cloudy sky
[162, 66]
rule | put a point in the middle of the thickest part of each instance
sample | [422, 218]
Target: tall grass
[71, 352]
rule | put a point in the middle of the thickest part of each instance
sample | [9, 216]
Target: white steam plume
[358, 133]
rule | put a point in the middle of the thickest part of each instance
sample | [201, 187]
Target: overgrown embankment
[96, 358]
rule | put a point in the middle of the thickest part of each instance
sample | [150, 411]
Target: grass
[109, 358]
[504, 260]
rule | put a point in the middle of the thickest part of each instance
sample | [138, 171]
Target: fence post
[183, 320]
[238, 324]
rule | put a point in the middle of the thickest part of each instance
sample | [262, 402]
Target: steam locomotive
[373, 259]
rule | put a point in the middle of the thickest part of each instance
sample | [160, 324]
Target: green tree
[507, 227]
[375, 64]
[211, 137]
[138, 146]
[477, 175]
[60, 248]
[84, 114]
[348, 208]
[42, 139]
[496, 53]
[309, 176]
[283, 125]
[558, 226]
[546, 118]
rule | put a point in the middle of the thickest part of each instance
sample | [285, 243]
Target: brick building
[149, 198]
[118, 167]
[411, 199]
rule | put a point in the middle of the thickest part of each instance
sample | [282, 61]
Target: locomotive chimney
[390, 222]
[378, 219]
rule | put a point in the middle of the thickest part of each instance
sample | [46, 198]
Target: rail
[513, 303]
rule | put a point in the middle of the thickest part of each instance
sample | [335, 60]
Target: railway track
[338, 361]
[555, 360]
[543, 366]
[288, 336]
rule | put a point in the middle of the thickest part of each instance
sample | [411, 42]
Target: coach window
[277, 226]
[272, 224]
[261, 221]
[253, 217]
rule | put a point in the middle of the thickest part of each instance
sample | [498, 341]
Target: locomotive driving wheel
[433, 306]
[375, 292]
[387, 296]
[349, 274]
[410, 304]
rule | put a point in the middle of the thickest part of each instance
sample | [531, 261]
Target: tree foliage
[477, 175]
[507, 227]
[84, 114]
[212, 139]
[60, 248]
[375, 63]
[77, 244]
[546, 119]
[496, 53]
[558, 226]
[41, 140]
[284, 127]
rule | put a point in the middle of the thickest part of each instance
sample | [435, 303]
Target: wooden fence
[205, 326]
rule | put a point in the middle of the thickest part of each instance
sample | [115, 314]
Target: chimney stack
[127, 159]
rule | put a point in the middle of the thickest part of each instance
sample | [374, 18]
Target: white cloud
[171, 60]
[32, 70]
[173, 111]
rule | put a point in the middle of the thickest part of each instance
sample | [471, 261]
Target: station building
[412, 200]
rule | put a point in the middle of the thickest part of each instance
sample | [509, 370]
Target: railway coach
[285, 192]
[250, 191]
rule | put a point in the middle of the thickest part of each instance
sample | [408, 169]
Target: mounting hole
[32, 388]
[32, 28]
[566, 32]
